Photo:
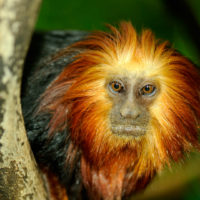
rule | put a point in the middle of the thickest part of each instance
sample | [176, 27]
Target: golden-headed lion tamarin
[120, 108]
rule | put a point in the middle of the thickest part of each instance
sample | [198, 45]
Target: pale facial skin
[131, 100]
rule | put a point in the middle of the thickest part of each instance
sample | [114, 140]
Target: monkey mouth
[128, 130]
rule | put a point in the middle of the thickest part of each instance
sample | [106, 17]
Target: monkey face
[131, 97]
[128, 92]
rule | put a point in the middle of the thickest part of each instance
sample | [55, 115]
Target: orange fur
[58, 191]
[113, 166]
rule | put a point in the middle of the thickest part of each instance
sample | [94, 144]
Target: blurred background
[177, 21]
[174, 20]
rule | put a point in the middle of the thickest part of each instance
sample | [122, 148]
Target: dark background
[177, 21]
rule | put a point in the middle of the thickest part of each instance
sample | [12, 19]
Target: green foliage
[92, 15]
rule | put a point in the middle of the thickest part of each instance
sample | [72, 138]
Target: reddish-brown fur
[57, 191]
[111, 166]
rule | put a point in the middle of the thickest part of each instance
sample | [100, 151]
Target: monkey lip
[128, 130]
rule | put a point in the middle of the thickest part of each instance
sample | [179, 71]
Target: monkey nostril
[124, 112]
[135, 115]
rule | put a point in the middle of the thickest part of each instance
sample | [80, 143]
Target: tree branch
[19, 177]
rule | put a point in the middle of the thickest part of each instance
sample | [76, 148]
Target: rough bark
[19, 177]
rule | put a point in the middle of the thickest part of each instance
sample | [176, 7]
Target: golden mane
[78, 100]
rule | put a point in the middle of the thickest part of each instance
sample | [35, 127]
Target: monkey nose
[132, 113]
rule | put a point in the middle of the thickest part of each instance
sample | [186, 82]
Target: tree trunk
[19, 176]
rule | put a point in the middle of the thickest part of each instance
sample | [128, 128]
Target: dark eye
[116, 86]
[148, 90]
